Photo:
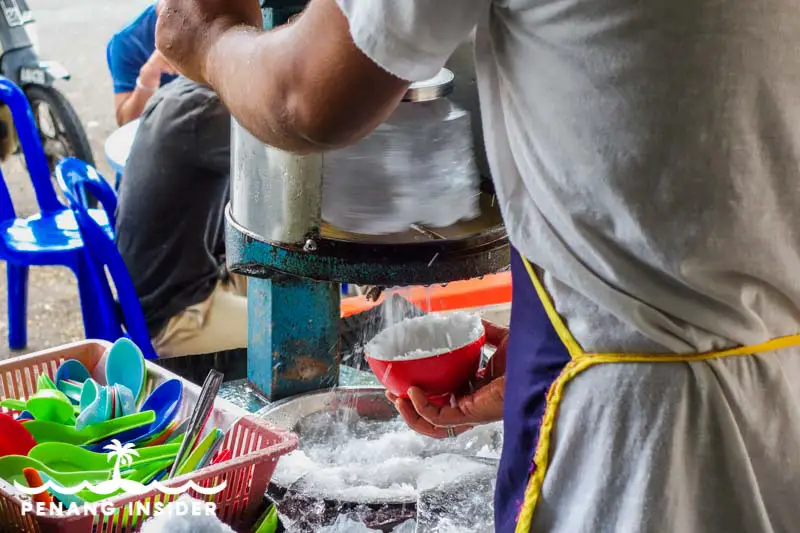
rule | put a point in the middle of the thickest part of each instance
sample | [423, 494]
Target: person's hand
[187, 29]
[481, 407]
[151, 72]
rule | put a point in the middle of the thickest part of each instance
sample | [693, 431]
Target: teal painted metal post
[293, 344]
[293, 323]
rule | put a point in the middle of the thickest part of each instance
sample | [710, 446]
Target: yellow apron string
[564, 333]
[580, 362]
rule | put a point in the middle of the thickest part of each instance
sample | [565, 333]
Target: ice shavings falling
[358, 460]
[425, 336]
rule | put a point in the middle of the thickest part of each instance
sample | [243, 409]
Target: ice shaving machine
[296, 262]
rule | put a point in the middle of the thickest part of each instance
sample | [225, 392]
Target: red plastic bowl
[439, 376]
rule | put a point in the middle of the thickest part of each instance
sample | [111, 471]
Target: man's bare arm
[304, 87]
[130, 106]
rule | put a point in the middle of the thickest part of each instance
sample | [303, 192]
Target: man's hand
[187, 29]
[151, 72]
[481, 407]
[129, 106]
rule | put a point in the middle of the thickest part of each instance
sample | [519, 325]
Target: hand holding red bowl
[441, 393]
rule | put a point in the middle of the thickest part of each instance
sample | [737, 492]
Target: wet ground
[75, 34]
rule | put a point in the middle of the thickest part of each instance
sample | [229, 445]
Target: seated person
[137, 68]
[170, 223]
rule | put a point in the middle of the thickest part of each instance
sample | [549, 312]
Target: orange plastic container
[255, 446]
[493, 289]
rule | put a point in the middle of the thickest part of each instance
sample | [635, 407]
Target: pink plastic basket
[256, 448]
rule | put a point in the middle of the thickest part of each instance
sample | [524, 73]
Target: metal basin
[314, 507]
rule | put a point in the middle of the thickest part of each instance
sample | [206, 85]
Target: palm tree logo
[122, 455]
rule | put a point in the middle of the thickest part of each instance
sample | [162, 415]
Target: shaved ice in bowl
[439, 353]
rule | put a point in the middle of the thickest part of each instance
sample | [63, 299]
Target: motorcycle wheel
[59, 126]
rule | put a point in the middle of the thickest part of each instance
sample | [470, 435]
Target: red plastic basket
[255, 445]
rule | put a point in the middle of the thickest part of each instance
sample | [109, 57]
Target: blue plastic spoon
[89, 393]
[72, 370]
[96, 407]
[165, 401]
[70, 377]
[125, 366]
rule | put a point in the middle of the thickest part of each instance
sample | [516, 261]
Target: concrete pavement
[74, 33]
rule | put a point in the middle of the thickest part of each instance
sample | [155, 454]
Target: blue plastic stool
[76, 178]
[49, 238]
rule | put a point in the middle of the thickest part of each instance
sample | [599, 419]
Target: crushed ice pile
[346, 524]
[360, 460]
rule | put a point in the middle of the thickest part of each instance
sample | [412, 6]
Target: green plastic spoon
[191, 462]
[44, 431]
[143, 475]
[70, 458]
[43, 382]
[268, 523]
[47, 404]
[11, 470]
[14, 405]
[51, 405]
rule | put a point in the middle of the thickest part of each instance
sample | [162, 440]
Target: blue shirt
[130, 48]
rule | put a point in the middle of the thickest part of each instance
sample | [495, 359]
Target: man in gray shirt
[170, 223]
[646, 156]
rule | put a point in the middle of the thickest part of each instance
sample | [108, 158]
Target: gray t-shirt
[646, 155]
[170, 215]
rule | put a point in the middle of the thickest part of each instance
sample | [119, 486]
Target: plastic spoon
[97, 411]
[43, 431]
[71, 389]
[70, 458]
[11, 467]
[35, 481]
[268, 523]
[126, 403]
[193, 460]
[160, 438]
[72, 370]
[70, 378]
[165, 400]
[89, 393]
[115, 406]
[125, 366]
[15, 439]
[212, 451]
[142, 475]
[51, 405]
[47, 404]
[44, 382]
[222, 456]
[179, 431]
[14, 405]
[67, 500]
